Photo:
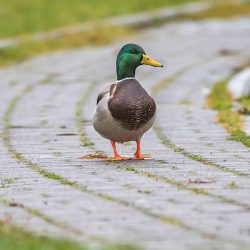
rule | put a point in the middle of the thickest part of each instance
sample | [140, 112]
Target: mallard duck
[125, 111]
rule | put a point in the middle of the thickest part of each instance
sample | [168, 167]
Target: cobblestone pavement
[195, 194]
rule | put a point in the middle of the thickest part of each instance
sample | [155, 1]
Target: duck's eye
[133, 52]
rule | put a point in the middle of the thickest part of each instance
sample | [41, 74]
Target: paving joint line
[35, 167]
[40, 215]
[64, 181]
[181, 186]
[170, 220]
[90, 144]
[169, 144]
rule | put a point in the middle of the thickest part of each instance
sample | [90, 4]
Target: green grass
[44, 15]
[20, 18]
[25, 16]
[29, 48]
[12, 238]
[246, 102]
[232, 185]
[220, 100]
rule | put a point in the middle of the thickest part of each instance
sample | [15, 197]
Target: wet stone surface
[194, 194]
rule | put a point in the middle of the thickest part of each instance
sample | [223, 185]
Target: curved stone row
[154, 203]
[189, 170]
[42, 140]
[20, 182]
[25, 136]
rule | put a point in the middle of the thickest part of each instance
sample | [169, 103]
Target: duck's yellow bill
[148, 61]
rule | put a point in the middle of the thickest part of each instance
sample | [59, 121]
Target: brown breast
[131, 105]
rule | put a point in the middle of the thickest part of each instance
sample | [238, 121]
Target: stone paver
[193, 195]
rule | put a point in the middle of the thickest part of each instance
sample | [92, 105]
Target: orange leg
[137, 154]
[117, 157]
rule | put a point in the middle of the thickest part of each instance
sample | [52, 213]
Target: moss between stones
[232, 185]
[165, 141]
[38, 214]
[169, 220]
[184, 101]
[130, 169]
[164, 83]
[183, 186]
[78, 117]
[246, 103]
[6, 182]
[43, 172]
[62, 180]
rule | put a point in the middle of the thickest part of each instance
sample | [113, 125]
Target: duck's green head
[129, 58]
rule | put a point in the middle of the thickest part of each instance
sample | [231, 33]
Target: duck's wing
[110, 89]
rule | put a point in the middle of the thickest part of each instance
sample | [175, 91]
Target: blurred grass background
[25, 16]
[12, 238]
[22, 18]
